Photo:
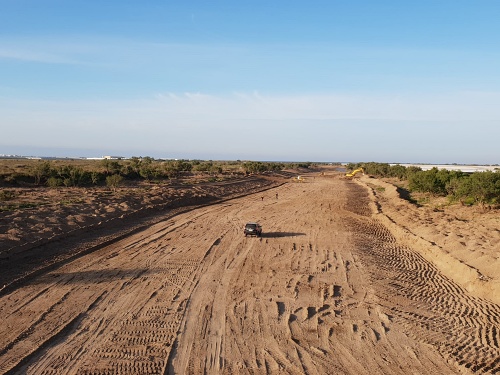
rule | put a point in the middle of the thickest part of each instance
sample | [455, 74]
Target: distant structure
[109, 157]
[454, 167]
[5, 156]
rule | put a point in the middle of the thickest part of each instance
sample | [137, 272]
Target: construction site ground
[347, 278]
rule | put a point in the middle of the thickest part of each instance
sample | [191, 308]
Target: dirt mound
[72, 221]
[463, 242]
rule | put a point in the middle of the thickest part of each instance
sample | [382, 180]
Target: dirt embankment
[59, 224]
[463, 242]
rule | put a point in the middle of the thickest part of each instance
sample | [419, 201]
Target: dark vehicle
[253, 229]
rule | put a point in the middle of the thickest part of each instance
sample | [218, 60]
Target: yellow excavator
[351, 175]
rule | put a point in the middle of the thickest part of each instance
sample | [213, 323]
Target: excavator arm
[354, 172]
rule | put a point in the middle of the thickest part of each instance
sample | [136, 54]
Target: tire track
[192, 295]
[15, 365]
[434, 309]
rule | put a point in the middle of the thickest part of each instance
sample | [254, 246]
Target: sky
[360, 80]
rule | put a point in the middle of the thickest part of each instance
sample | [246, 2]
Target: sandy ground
[347, 279]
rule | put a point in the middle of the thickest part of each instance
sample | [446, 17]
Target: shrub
[259, 167]
[485, 187]
[398, 171]
[95, 177]
[469, 201]
[7, 195]
[114, 181]
[41, 171]
[54, 182]
[427, 182]
[73, 176]
[11, 179]
[110, 166]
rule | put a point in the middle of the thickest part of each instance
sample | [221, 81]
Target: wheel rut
[326, 289]
[433, 308]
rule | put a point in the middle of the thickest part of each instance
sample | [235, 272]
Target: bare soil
[347, 278]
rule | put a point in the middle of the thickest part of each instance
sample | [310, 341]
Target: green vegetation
[6, 195]
[114, 181]
[112, 173]
[259, 167]
[481, 188]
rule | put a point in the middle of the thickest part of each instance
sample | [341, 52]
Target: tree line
[114, 172]
[467, 188]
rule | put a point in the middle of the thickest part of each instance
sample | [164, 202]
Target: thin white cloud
[459, 106]
[291, 127]
[107, 51]
[199, 107]
[33, 56]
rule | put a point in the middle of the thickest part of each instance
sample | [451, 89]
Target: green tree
[146, 168]
[135, 164]
[411, 170]
[114, 181]
[485, 187]
[254, 167]
[54, 182]
[72, 175]
[95, 177]
[111, 166]
[427, 182]
[41, 171]
[398, 171]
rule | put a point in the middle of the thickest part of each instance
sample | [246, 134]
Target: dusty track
[327, 289]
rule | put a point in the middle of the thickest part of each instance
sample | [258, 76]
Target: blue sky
[387, 81]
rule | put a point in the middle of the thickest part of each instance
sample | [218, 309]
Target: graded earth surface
[347, 278]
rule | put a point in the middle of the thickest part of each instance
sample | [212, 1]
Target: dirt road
[326, 290]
